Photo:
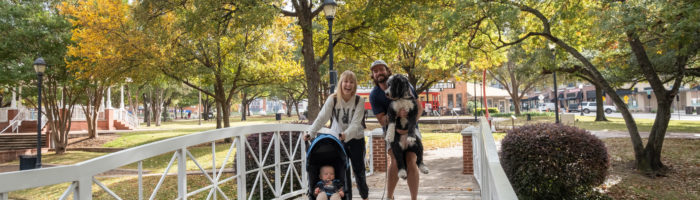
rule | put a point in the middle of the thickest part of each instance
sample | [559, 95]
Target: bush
[480, 111]
[553, 161]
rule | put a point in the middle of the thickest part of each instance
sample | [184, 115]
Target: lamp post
[329, 7]
[553, 47]
[39, 68]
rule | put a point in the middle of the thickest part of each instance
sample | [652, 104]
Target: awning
[622, 92]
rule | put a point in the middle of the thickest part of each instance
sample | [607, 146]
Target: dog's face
[398, 87]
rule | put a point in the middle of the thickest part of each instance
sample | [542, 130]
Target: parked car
[546, 107]
[588, 107]
[574, 107]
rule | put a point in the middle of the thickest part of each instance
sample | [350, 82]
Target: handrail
[16, 121]
[82, 174]
[488, 171]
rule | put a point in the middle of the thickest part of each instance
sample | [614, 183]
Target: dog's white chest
[404, 104]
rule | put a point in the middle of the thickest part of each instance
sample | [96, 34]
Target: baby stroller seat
[326, 149]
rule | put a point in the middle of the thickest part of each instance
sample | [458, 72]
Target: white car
[546, 107]
[588, 107]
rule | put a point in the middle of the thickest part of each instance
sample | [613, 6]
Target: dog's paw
[389, 138]
[411, 141]
[402, 174]
[423, 169]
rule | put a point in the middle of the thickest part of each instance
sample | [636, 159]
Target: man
[380, 105]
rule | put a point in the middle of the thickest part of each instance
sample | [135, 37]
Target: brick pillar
[109, 116]
[379, 156]
[11, 114]
[467, 150]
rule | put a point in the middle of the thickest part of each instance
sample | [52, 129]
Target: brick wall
[379, 153]
[467, 156]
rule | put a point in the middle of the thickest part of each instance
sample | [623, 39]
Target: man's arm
[420, 110]
[381, 118]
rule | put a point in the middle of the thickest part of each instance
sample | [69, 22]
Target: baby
[333, 188]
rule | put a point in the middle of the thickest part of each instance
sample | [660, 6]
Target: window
[450, 101]
[459, 100]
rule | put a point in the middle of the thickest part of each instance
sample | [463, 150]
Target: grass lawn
[682, 182]
[614, 124]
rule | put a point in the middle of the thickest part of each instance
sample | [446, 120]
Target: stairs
[20, 141]
[121, 125]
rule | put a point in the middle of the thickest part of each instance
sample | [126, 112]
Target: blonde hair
[347, 74]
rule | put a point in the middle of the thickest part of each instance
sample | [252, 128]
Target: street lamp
[39, 67]
[553, 48]
[329, 7]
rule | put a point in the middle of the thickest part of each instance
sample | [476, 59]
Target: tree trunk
[599, 112]
[288, 104]
[313, 78]
[218, 115]
[516, 105]
[158, 106]
[226, 111]
[652, 151]
[146, 110]
[244, 108]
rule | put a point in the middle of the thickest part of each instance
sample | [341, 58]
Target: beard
[381, 78]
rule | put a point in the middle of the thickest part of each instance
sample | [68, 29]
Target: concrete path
[624, 134]
[445, 180]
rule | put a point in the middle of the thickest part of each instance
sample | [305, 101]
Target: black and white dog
[399, 91]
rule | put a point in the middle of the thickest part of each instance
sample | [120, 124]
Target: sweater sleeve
[355, 129]
[322, 117]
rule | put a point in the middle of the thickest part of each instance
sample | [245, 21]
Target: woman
[346, 110]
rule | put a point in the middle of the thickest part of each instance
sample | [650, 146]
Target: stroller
[326, 149]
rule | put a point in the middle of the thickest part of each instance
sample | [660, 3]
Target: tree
[34, 29]
[519, 74]
[671, 28]
[227, 51]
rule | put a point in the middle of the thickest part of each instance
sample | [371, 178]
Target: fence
[286, 149]
[487, 167]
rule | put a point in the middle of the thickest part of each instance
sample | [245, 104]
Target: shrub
[553, 161]
[480, 111]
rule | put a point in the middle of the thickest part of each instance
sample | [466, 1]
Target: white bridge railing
[277, 167]
[488, 171]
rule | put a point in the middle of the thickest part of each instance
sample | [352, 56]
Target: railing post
[240, 167]
[370, 155]
[182, 173]
[84, 189]
[468, 149]
[305, 180]
[278, 170]
[140, 179]
[379, 156]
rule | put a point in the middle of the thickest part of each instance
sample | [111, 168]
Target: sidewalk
[445, 180]
[645, 134]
